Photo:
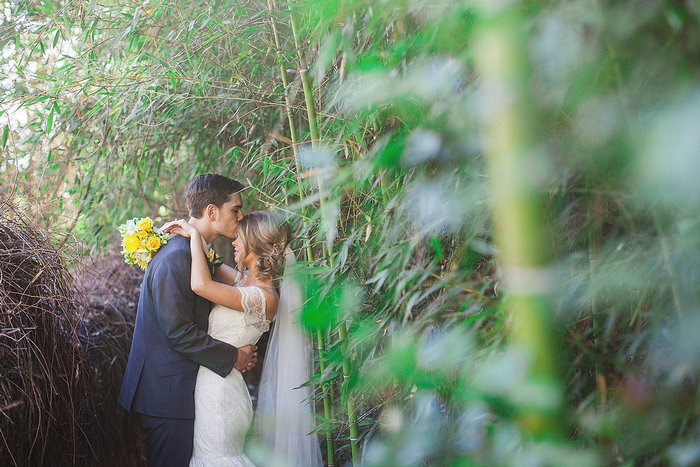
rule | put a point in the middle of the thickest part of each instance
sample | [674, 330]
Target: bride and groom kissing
[195, 333]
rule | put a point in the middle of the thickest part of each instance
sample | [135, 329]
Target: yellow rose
[145, 224]
[142, 234]
[153, 243]
[131, 242]
[142, 245]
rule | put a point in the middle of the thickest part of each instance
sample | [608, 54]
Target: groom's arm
[174, 304]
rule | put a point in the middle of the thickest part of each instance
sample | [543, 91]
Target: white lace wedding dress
[223, 409]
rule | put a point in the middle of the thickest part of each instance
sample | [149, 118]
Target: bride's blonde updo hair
[267, 235]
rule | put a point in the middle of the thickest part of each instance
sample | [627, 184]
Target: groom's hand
[252, 362]
[247, 357]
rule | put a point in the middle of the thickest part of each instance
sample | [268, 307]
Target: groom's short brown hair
[208, 189]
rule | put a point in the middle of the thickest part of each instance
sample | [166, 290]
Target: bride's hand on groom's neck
[180, 227]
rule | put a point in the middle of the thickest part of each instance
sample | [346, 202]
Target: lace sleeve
[254, 307]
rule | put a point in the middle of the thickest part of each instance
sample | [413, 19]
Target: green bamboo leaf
[326, 54]
[137, 15]
[438, 247]
[224, 127]
[187, 53]
[55, 37]
[235, 151]
[5, 135]
[49, 121]
[216, 36]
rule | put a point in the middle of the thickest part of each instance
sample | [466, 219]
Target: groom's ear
[211, 211]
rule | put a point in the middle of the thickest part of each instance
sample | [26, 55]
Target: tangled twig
[63, 348]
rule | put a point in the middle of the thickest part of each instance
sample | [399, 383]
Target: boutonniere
[215, 260]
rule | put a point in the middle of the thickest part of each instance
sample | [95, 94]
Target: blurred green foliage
[110, 109]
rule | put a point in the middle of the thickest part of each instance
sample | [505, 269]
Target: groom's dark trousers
[170, 342]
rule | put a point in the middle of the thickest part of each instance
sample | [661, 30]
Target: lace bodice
[240, 328]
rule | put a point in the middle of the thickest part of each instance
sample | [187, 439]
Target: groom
[170, 333]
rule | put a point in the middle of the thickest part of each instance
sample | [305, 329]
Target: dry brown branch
[64, 345]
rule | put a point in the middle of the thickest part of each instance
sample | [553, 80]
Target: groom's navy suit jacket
[170, 339]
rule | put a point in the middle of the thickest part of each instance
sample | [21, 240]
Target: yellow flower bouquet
[140, 241]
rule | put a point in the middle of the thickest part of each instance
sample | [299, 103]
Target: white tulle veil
[284, 415]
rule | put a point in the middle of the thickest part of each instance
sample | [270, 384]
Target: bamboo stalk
[308, 90]
[342, 329]
[518, 207]
[330, 451]
[352, 414]
[290, 117]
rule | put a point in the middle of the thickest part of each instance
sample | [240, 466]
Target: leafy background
[496, 201]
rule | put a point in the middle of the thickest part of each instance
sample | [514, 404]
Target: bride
[245, 304]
